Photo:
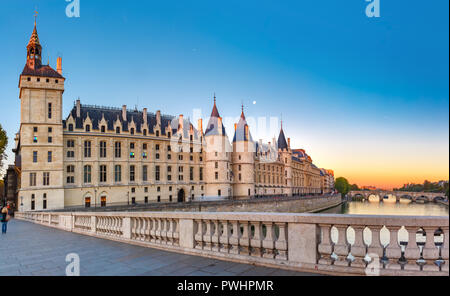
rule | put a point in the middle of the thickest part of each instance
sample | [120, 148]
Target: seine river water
[377, 208]
[381, 208]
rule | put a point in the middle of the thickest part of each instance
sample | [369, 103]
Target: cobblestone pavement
[29, 249]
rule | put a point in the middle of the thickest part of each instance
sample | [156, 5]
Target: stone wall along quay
[302, 242]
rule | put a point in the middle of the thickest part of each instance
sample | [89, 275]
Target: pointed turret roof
[34, 39]
[282, 143]
[240, 134]
[213, 123]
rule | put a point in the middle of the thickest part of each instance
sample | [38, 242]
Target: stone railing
[322, 243]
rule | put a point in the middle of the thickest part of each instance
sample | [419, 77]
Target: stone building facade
[98, 156]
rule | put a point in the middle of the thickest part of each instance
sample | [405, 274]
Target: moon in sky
[254, 102]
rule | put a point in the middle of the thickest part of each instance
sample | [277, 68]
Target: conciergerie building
[100, 156]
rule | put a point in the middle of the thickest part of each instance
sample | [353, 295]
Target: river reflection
[381, 208]
[377, 208]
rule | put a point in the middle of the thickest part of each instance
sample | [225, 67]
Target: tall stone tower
[41, 132]
[285, 154]
[218, 156]
[243, 160]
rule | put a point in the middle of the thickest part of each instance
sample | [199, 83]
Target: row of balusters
[83, 222]
[109, 225]
[420, 252]
[259, 239]
[163, 231]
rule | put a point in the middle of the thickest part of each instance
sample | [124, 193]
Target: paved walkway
[31, 249]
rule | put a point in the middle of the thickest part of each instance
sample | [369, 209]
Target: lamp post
[95, 199]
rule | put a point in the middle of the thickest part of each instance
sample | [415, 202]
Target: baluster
[140, 229]
[445, 249]
[148, 229]
[176, 234]
[358, 249]
[153, 230]
[268, 242]
[224, 245]
[256, 241]
[163, 231]
[375, 249]
[234, 239]
[215, 236]
[135, 227]
[326, 245]
[199, 234]
[244, 240]
[393, 250]
[430, 251]
[412, 251]
[207, 235]
[342, 246]
[281, 245]
[158, 230]
[170, 231]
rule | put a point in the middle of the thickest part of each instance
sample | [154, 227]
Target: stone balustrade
[324, 243]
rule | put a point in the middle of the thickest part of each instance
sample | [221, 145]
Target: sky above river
[366, 97]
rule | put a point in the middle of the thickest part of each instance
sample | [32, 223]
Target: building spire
[34, 48]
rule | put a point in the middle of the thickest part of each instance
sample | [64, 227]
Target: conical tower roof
[282, 143]
[240, 134]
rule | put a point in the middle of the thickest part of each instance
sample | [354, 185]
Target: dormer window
[103, 128]
[168, 134]
[132, 131]
[117, 130]
[70, 127]
[157, 133]
[88, 128]
[144, 132]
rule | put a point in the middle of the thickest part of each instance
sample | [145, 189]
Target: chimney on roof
[124, 112]
[78, 108]
[235, 126]
[246, 133]
[158, 117]
[180, 122]
[144, 115]
[59, 65]
[289, 142]
[200, 125]
[219, 123]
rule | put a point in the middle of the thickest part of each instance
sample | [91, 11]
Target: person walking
[5, 218]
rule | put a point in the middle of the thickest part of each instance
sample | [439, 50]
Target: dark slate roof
[240, 134]
[213, 124]
[96, 114]
[41, 71]
[282, 144]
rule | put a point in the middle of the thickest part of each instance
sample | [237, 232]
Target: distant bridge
[413, 196]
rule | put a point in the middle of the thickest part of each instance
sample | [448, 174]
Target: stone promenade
[32, 250]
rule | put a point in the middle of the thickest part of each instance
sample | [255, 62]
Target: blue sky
[355, 92]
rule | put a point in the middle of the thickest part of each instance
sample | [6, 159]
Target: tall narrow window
[157, 173]
[87, 148]
[32, 202]
[103, 149]
[87, 173]
[103, 173]
[103, 129]
[88, 128]
[32, 179]
[35, 156]
[117, 130]
[144, 173]
[70, 127]
[132, 131]
[117, 150]
[191, 173]
[49, 110]
[117, 173]
[46, 179]
[44, 201]
[132, 173]
[201, 174]
[49, 156]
